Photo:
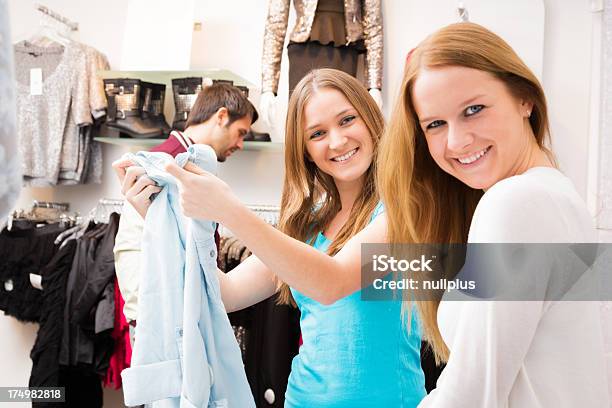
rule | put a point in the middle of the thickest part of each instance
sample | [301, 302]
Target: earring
[528, 113]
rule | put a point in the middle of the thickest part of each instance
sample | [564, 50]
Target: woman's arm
[247, 284]
[315, 274]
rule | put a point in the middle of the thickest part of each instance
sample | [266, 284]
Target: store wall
[231, 38]
[116, 28]
[567, 82]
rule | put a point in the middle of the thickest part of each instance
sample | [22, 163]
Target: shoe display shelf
[165, 77]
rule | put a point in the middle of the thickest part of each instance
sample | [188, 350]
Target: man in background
[220, 118]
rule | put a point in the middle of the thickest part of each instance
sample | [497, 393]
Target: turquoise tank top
[355, 353]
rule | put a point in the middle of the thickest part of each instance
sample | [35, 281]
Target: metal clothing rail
[105, 207]
[111, 201]
[56, 16]
[48, 204]
[269, 213]
[264, 208]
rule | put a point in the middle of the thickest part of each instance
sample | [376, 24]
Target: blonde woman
[469, 134]
[354, 353]
[463, 160]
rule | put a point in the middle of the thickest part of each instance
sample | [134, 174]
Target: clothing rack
[264, 208]
[269, 213]
[48, 204]
[63, 218]
[102, 211]
[58, 17]
[111, 201]
[34, 215]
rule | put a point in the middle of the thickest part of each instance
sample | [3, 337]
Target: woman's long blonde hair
[423, 203]
[310, 198]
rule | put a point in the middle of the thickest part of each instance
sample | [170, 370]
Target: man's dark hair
[217, 96]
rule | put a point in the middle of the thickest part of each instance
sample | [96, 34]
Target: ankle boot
[185, 92]
[244, 90]
[159, 96]
[153, 106]
[125, 108]
[146, 95]
[223, 81]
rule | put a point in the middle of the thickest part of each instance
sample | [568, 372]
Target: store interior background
[560, 40]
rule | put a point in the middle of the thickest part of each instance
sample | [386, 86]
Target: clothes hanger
[107, 206]
[462, 12]
[48, 35]
[98, 214]
[54, 29]
[42, 212]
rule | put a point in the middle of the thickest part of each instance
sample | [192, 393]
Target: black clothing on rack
[45, 353]
[25, 249]
[272, 343]
[89, 308]
[83, 388]
[268, 335]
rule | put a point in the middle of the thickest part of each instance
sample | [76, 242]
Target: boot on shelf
[125, 108]
[244, 90]
[223, 81]
[185, 91]
[153, 106]
[254, 136]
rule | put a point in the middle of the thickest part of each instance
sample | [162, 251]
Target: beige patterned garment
[81, 160]
[42, 119]
[362, 20]
[93, 171]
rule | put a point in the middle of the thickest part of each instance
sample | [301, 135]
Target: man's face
[227, 139]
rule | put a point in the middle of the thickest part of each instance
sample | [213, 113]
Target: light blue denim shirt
[185, 353]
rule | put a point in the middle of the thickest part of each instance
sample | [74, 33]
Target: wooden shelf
[149, 143]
